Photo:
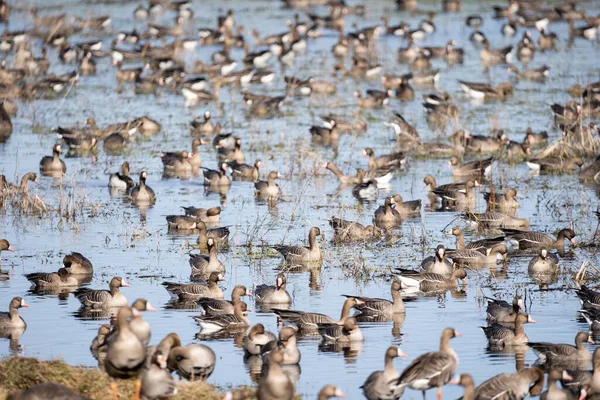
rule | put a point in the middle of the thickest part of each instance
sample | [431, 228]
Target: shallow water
[121, 240]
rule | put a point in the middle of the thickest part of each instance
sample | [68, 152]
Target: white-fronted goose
[485, 91]
[366, 189]
[205, 127]
[192, 362]
[537, 240]
[325, 134]
[466, 381]
[256, 338]
[121, 181]
[553, 165]
[486, 144]
[473, 257]
[538, 74]
[393, 160]
[481, 245]
[380, 385]
[219, 235]
[433, 369]
[494, 56]
[275, 385]
[586, 294]
[60, 279]
[268, 189]
[47, 390]
[50, 165]
[142, 193]
[277, 294]
[494, 219]
[307, 322]
[502, 311]
[505, 202]
[157, 381]
[216, 307]
[23, 187]
[403, 130]
[216, 178]
[428, 281]
[205, 265]
[407, 209]
[437, 264]
[457, 195]
[553, 392]
[386, 214]
[98, 299]
[181, 222]
[206, 215]
[244, 171]
[344, 179]
[176, 161]
[302, 255]
[195, 291]
[351, 231]
[429, 181]
[553, 354]
[287, 338]
[125, 353]
[139, 326]
[11, 320]
[78, 264]
[330, 391]
[472, 168]
[499, 336]
[514, 386]
[345, 333]
[382, 307]
[237, 321]
[236, 154]
[543, 268]
[5, 123]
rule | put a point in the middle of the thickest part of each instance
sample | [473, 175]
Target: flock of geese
[122, 347]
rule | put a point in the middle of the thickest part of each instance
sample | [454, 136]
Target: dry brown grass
[18, 373]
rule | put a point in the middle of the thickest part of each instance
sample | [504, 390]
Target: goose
[537, 240]
[245, 172]
[99, 299]
[437, 264]
[553, 354]
[484, 91]
[142, 194]
[386, 214]
[176, 161]
[514, 386]
[48, 390]
[380, 384]
[494, 219]
[466, 381]
[256, 338]
[121, 180]
[457, 196]
[294, 255]
[195, 291]
[553, 392]
[325, 135]
[59, 279]
[329, 391]
[192, 362]
[78, 264]
[428, 281]
[350, 231]
[216, 307]
[307, 322]
[273, 294]
[382, 307]
[210, 324]
[501, 311]
[495, 56]
[50, 165]
[504, 202]
[554, 165]
[219, 236]
[473, 257]
[373, 99]
[139, 326]
[216, 178]
[208, 216]
[344, 179]
[394, 160]
[287, 337]
[543, 268]
[268, 189]
[547, 40]
[226, 154]
[5, 123]
[202, 265]
[538, 74]
[587, 295]
[365, 189]
[433, 369]
[480, 245]
[345, 333]
[204, 127]
[499, 336]
[181, 222]
[11, 320]
[23, 187]
[156, 380]
[275, 384]
[382, 176]
[472, 168]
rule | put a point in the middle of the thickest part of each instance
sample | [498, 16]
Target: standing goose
[427, 281]
[192, 362]
[98, 299]
[499, 336]
[217, 307]
[220, 235]
[121, 181]
[125, 353]
[386, 214]
[203, 266]
[438, 264]
[256, 339]
[393, 160]
[294, 255]
[142, 194]
[230, 322]
[275, 384]
[380, 384]
[536, 240]
[195, 291]
[345, 333]
[269, 189]
[277, 294]
[472, 168]
[553, 354]
[350, 231]
[307, 322]
[77, 264]
[51, 165]
[433, 369]
[139, 326]
[11, 320]
[512, 386]
[381, 307]
[216, 178]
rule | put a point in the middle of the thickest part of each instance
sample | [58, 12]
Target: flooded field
[121, 239]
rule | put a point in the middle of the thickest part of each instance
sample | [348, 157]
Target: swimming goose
[513, 386]
[433, 369]
[121, 181]
[553, 392]
[205, 127]
[307, 322]
[216, 178]
[181, 222]
[543, 268]
[202, 265]
[219, 236]
[215, 307]
[11, 320]
[472, 168]
[403, 130]
[499, 336]
[237, 321]
[325, 135]
[538, 74]
[503, 312]
[386, 214]
[473, 257]
[275, 384]
[553, 355]
[176, 161]
[407, 209]
[345, 333]
[429, 181]
[277, 294]
[192, 362]
[366, 189]
[157, 381]
[350, 231]
[457, 196]
[208, 216]
[78, 264]
[245, 172]
[256, 338]
[495, 56]
[394, 160]
[428, 281]
[537, 240]
[547, 40]
[142, 194]
[139, 326]
[504, 202]
[437, 264]
[494, 219]
[554, 165]
[226, 154]
[60, 279]
[373, 306]
[374, 99]
[195, 291]
[98, 299]
[269, 189]
[330, 391]
[485, 91]
[50, 165]
[380, 384]
[344, 179]
[299, 254]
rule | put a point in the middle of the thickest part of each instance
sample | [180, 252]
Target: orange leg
[138, 387]
[439, 393]
[113, 389]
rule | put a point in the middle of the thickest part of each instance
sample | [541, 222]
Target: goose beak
[574, 242]
[249, 293]
[23, 304]
[10, 249]
[124, 283]
[149, 307]
[531, 320]
[339, 393]
[590, 340]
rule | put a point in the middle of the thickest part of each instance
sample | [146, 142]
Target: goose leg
[138, 387]
[113, 389]
[439, 393]
[424, 396]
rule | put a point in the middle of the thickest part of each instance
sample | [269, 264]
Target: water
[121, 240]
